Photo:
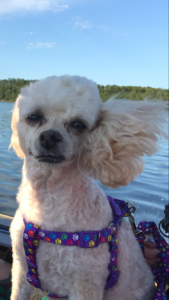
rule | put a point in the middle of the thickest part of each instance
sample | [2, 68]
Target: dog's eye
[78, 125]
[34, 118]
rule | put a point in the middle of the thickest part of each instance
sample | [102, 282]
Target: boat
[5, 240]
[5, 243]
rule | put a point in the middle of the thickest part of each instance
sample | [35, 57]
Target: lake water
[149, 192]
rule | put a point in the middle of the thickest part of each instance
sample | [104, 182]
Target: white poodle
[67, 137]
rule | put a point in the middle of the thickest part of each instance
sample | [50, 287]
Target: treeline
[132, 92]
[9, 90]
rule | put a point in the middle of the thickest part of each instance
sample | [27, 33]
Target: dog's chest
[54, 259]
[59, 266]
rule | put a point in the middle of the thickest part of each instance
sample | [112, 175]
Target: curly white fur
[64, 196]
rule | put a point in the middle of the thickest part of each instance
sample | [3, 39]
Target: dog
[68, 137]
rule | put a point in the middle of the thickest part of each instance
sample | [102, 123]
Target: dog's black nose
[49, 138]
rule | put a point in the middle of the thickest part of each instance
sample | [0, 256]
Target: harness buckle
[132, 207]
[113, 228]
[89, 239]
[136, 231]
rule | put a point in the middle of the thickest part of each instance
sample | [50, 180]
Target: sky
[122, 42]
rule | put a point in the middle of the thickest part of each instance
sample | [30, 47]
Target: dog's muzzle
[49, 142]
[49, 139]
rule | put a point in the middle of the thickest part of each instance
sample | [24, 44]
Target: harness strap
[30, 246]
[84, 239]
[120, 209]
[162, 271]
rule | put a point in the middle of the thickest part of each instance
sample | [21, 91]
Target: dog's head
[61, 120]
[52, 117]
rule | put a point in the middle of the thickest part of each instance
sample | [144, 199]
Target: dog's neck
[50, 178]
[48, 191]
[62, 199]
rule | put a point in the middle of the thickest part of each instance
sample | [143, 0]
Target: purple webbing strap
[162, 271]
[119, 208]
[32, 235]
[30, 245]
[84, 239]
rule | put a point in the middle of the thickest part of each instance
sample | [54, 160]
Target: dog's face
[55, 116]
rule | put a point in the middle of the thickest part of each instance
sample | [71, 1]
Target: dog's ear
[125, 131]
[14, 138]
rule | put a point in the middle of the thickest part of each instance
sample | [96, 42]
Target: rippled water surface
[149, 192]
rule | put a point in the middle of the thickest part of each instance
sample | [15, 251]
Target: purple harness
[85, 239]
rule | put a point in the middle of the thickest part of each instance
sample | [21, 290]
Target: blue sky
[123, 42]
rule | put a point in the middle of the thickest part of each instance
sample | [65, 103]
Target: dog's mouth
[51, 159]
